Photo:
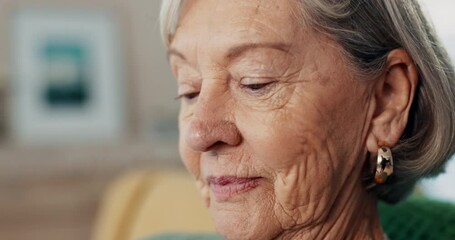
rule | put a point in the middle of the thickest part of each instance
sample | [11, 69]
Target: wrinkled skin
[289, 110]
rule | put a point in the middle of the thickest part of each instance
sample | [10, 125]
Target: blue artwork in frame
[68, 78]
[67, 82]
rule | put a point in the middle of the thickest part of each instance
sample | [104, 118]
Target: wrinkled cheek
[304, 190]
[189, 157]
[191, 160]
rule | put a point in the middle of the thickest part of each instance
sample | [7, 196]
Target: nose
[210, 128]
[205, 135]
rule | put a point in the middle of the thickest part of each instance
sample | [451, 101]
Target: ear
[393, 96]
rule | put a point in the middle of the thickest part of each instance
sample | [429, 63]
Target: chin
[230, 228]
[238, 226]
[245, 218]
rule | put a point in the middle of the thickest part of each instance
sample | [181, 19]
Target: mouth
[226, 187]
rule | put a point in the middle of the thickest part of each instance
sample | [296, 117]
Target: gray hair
[367, 32]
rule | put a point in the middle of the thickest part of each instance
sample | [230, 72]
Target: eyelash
[256, 88]
[187, 96]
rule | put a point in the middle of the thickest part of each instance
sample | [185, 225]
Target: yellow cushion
[143, 203]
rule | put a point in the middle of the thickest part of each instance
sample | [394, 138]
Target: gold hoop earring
[384, 165]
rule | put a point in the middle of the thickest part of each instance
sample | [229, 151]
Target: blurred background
[85, 95]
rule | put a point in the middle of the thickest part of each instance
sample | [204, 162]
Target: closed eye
[257, 86]
[188, 96]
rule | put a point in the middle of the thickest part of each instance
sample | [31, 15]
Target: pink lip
[226, 187]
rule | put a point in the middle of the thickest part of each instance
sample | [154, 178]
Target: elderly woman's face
[272, 121]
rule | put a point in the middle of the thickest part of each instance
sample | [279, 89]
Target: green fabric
[418, 218]
[413, 219]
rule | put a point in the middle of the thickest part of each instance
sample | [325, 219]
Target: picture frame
[66, 77]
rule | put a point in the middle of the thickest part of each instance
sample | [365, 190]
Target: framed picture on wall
[67, 78]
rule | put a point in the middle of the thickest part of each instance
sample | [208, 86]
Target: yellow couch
[145, 202]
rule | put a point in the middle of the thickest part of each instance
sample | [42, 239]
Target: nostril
[217, 144]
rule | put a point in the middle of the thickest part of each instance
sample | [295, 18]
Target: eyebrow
[236, 51]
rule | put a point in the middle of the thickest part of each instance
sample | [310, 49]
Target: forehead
[216, 23]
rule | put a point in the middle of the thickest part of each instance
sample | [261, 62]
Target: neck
[353, 215]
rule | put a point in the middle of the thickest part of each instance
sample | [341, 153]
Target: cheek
[291, 146]
[304, 187]
[189, 157]
[300, 148]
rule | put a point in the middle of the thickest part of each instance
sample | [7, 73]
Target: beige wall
[150, 87]
[147, 73]
[53, 191]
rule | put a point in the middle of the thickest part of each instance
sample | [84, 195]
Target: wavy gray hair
[368, 31]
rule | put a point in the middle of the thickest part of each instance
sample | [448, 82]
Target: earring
[384, 165]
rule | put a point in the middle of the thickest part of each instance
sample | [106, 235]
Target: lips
[226, 187]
